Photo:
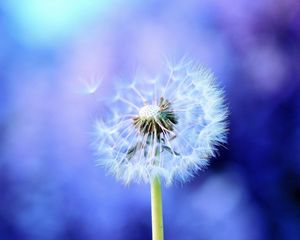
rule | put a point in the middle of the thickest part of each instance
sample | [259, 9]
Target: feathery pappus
[168, 126]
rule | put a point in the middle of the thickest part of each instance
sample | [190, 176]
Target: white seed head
[173, 136]
[149, 112]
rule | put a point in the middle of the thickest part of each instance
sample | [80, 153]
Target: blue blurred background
[58, 58]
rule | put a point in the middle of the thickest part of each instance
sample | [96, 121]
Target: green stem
[156, 207]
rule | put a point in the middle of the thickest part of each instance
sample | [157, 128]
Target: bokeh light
[47, 22]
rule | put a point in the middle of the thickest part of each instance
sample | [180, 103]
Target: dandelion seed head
[170, 125]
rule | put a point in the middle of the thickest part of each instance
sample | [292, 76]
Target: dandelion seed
[167, 128]
[88, 85]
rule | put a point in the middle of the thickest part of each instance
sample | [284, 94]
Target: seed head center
[149, 111]
[156, 120]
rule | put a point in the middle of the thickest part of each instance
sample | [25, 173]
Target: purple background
[49, 185]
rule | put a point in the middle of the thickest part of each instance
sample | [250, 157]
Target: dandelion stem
[156, 207]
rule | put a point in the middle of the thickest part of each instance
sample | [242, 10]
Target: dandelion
[165, 127]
